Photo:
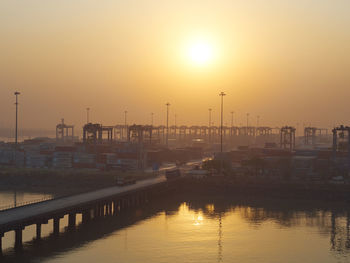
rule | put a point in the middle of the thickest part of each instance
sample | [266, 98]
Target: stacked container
[84, 160]
[36, 160]
[62, 160]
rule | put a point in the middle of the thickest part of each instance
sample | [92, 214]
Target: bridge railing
[6, 207]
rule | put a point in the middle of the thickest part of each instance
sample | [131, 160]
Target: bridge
[107, 201]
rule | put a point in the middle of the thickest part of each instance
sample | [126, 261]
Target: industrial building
[275, 153]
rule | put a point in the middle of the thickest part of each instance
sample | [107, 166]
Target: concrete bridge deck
[38, 213]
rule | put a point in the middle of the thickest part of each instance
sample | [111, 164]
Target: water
[206, 229]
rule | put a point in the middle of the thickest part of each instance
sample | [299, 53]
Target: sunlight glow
[200, 52]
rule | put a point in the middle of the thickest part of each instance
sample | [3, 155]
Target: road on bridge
[27, 212]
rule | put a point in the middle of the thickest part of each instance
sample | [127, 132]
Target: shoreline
[62, 182]
[68, 182]
[276, 190]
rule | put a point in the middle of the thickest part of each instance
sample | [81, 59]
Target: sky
[286, 61]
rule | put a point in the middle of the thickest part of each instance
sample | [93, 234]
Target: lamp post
[175, 126]
[209, 129]
[152, 118]
[16, 142]
[87, 115]
[16, 129]
[209, 117]
[247, 120]
[232, 112]
[167, 122]
[297, 132]
[222, 94]
[231, 130]
[125, 124]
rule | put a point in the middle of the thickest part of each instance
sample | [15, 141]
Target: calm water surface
[200, 230]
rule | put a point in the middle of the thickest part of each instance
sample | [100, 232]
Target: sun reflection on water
[198, 220]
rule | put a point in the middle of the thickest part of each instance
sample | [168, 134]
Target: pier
[107, 201]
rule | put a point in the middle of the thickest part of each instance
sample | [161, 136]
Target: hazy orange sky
[287, 61]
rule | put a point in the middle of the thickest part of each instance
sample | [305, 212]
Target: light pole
[175, 126]
[152, 118]
[209, 117]
[232, 112]
[16, 142]
[231, 130]
[222, 94]
[16, 130]
[125, 124]
[167, 122]
[297, 129]
[247, 120]
[209, 129]
[87, 115]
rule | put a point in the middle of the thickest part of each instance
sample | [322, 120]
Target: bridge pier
[56, 225]
[95, 211]
[38, 231]
[111, 208]
[71, 220]
[101, 210]
[115, 207]
[107, 209]
[1, 236]
[18, 238]
[110, 204]
[86, 216]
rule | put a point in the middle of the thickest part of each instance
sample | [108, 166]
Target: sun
[200, 52]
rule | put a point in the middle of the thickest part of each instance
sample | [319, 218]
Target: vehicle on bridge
[172, 173]
[122, 181]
